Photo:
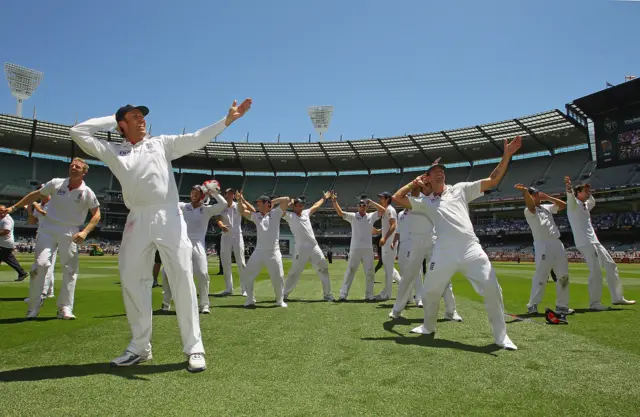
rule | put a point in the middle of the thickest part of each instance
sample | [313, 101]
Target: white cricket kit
[549, 255]
[419, 246]
[7, 241]
[457, 249]
[155, 222]
[197, 220]
[267, 254]
[306, 247]
[66, 212]
[389, 254]
[232, 241]
[49, 278]
[361, 251]
[595, 255]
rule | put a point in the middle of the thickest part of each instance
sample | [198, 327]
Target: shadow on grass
[111, 316]
[12, 299]
[307, 301]
[431, 341]
[253, 307]
[13, 320]
[586, 310]
[39, 373]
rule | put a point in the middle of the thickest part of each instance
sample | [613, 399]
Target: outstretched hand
[236, 112]
[512, 147]
[520, 187]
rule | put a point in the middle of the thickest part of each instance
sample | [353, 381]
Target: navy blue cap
[126, 109]
[298, 200]
[385, 194]
[264, 198]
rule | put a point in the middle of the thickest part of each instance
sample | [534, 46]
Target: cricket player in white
[35, 212]
[142, 165]
[60, 229]
[389, 251]
[361, 249]
[457, 248]
[267, 253]
[196, 215]
[306, 247]
[231, 241]
[549, 250]
[414, 248]
[580, 202]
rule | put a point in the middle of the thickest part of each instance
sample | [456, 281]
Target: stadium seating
[524, 171]
[230, 181]
[609, 177]
[292, 187]
[255, 186]
[564, 164]
[189, 180]
[350, 187]
[383, 182]
[317, 184]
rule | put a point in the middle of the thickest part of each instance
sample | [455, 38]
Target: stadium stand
[291, 187]
[383, 182]
[564, 164]
[613, 176]
[523, 171]
[317, 184]
[255, 186]
[351, 187]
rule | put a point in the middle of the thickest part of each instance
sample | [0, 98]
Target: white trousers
[473, 262]
[232, 243]
[272, 260]
[550, 255]
[597, 258]
[200, 274]
[410, 261]
[300, 259]
[49, 238]
[390, 272]
[356, 257]
[49, 278]
[148, 228]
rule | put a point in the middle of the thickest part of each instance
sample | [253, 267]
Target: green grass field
[319, 358]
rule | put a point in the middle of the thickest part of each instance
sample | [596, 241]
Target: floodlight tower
[22, 82]
[321, 118]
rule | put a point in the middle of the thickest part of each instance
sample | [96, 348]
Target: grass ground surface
[319, 358]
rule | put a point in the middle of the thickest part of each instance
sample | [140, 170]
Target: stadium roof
[541, 132]
[610, 99]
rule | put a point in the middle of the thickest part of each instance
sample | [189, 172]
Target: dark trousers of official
[7, 256]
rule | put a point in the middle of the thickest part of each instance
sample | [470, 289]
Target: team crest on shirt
[124, 153]
[431, 266]
[201, 210]
[61, 192]
[189, 208]
[79, 198]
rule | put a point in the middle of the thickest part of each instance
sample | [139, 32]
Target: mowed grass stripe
[320, 358]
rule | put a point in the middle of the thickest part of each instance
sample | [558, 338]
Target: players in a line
[457, 248]
[231, 241]
[67, 210]
[549, 250]
[35, 212]
[417, 245]
[306, 247]
[361, 249]
[389, 218]
[267, 253]
[580, 202]
[142, 165]
[7, 244]
[196, 215]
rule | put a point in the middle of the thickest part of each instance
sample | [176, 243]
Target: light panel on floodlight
[22, 81]
[321, 118]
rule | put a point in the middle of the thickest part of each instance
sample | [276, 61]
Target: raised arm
[556, 201]
[319, 203]
[571, 199]
[218, 208]
[496, 176]
[376, 206]
[244, 210]
[180, 145]
[336, 206]
[242, 200]
[528, 200]
[283, 202]
[82, 135]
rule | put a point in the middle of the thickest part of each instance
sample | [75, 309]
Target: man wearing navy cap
[549, 250]
[142, 165]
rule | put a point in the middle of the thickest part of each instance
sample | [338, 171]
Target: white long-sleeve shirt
[144, 169]
[197, 219]
[579, 214]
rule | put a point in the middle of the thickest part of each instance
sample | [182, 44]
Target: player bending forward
[197, 214]
[414, 249]
[361, 249]
[267, 252]
[549, 250]
[580, 202]
[457, 248]
[142, 164]
[60, 229]
[306, 247]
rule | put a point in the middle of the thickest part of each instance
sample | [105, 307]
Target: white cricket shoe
[420, 305]
[453, 317]
[624, 302]
[165, 307]
[282, 304]
[421, 330]
[65, 314]
[533, 309]
[196, 362]
[50, 295]
[394, 315]
[329, 298]
[381, 297]
[205, 310]
[129, 358]
[507, 344]
[244, 293]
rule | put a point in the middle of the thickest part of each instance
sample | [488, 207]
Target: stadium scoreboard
[617, 135]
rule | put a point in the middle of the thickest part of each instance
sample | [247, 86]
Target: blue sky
[389, 68]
